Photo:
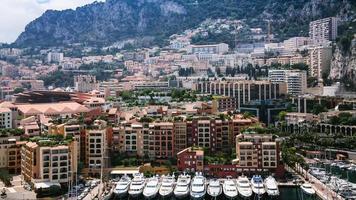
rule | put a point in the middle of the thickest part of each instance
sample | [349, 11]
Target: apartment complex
[9, 153]
[209, 49]
[323, 30]
[224, 103]
[55, 57]
[320, 60]
[256, 152]
[96, 147]
[5, 118]
[190, 159]
[85, 83]
[295, 43]
[296, 80]
[245, 91]
[49, 163]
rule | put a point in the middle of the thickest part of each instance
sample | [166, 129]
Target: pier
[323, 191]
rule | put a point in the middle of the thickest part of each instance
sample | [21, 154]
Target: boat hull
[181, 195]
[150, 196]
[197, 196]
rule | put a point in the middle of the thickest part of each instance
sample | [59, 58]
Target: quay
[323, 191]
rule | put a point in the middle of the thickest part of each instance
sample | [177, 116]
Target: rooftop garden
[51, 140]
[11, 132]
[343, 118]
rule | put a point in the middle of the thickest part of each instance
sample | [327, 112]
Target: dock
[323, 191]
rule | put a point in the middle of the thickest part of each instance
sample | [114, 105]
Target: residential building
[294, 43]
[320, 60]
[180, 136]
[46, 163]
[209, 49]
[296, 80]
[257, 152]
[190, 159]
[96, 147]
[323, 30]
[54, 57]
[224, 103]
[162, 147]
[5, 118]
[245, 91]
[8, 157]
[85, 83]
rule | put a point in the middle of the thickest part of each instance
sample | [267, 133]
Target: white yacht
[151, 189]
[271, 186]
[167, 186]
[230, 188]
[137, 185]
[244, 187]
[214, 188]
[307, 189]
[257, 185]
[198, 187]
[122, 186]
[182, 187]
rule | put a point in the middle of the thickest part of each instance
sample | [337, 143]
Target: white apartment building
[323, 30]
[85, 83]
[320, 60]
[209, 49]
[55, 57]
[5, 118]
[296, 80]
[295, 43]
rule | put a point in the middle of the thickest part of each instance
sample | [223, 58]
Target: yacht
[271, 186]
[167, 186]
[137, 185]
[122, 186]
[198, 187]
[151, 189]
[244, 187]
[214, 188]
[182, 187]
[230, 188]
[307, 189]
[257, 185]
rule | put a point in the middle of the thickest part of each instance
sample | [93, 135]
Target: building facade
[296, 80]
[323, 30]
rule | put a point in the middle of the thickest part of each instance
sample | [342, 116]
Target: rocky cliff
[115, 20]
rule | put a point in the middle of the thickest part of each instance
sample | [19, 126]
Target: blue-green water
[286, 193]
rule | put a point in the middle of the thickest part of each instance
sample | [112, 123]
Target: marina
[199, 187]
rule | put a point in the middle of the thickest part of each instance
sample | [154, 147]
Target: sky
[16, 14]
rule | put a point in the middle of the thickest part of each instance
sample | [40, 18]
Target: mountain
[107, 22]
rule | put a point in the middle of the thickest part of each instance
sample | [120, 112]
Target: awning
[124, 171]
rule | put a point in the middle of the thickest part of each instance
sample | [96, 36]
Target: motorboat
[137, 185]
[182, 187]
[198, 187]
[167, 186]
[230, 188]
[244, 187]
[214, 188]
[271, 186]
[151, 189]
[307, 189]
[257, 185]
[122, 187]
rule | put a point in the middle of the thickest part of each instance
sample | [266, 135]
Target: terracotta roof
[52, 108]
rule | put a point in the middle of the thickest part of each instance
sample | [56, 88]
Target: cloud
[16, 14]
